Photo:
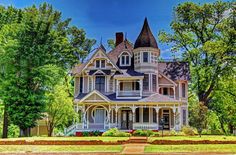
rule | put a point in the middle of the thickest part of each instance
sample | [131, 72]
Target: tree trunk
[50, 129]
[231, 128]
[222, 126]
[5, 123]
[25, 132]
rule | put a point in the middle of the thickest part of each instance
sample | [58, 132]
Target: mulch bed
[180, 142]
[61, 142]
[119, 142]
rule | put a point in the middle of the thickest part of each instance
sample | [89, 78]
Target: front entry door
[126, 119]
[166, 116]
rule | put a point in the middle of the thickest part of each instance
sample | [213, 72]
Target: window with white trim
[146, 82]
[145, 56]
[125, 59]
[137, 58]
[100, 63]
[183, 90]
[154, 83]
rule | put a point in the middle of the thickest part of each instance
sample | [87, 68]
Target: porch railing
[152, 126]
[129, 93]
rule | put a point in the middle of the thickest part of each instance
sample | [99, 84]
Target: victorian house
[128, 88]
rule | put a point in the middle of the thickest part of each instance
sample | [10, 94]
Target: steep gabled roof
[145, 38]
[124, 46]
[78, 69]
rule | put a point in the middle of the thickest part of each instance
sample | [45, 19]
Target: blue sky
[102, 18]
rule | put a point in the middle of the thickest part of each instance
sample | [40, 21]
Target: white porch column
[133, 112]
[174, 112]
[141, 87]
[174, 91]
[108, 117]
[83, 113]
[157, 116]
[117, 87]
[141, 115]
[116, 110]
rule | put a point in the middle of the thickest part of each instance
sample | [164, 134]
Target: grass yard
[59, 148]
[204, 137]
[230, 148]
[105, 139]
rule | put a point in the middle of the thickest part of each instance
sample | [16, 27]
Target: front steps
[138, 140]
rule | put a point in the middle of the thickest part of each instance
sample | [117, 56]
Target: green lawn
[67, 138]
[204, 137]
[59, 148]
[192, 148]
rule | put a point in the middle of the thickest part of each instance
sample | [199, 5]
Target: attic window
[125, 59]
[100, 64]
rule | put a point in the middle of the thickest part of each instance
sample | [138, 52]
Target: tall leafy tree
[30, 48]
[59, 108]
[206, 36]
[223, 103]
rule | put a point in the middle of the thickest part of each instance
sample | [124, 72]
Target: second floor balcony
[131, 89]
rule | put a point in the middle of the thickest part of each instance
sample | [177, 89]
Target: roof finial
[101, 41]
[101, 45]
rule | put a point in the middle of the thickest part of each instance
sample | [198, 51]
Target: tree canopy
[206, 36]
[35, 46]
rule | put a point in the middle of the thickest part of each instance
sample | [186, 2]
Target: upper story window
[154, 83]
[145, 57]
[146, 82]
[137, 58]
[100, 83]
[183, 90]
[125, 59]
[100, 63]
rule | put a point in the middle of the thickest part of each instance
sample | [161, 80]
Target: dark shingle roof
[124, 46]
[145, 38]
[175, 70]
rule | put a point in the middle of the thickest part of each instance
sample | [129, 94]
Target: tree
[206, 36]
[111, 43]
[31, 48]
[59, 108]
[223, 103]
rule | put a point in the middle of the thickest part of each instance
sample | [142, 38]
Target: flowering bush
[145, 133]
[114, 132]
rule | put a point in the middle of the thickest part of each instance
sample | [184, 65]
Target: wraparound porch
[105, 116]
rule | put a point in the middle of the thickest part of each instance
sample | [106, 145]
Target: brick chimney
[119, 38]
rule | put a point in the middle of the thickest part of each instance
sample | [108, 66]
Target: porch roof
[151, 99]
[129, 74]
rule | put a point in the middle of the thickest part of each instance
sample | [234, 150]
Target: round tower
[146, 53]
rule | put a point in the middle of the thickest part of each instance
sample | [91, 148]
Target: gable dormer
[125, 59]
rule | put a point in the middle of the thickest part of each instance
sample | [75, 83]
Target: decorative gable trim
[99, 71]
[168, 79]
[96, 93]
[93, 56]
[125, 51]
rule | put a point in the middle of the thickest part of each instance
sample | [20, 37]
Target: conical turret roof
[145, 38]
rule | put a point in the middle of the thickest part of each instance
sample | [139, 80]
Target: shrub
[188, 130]
[96, 133]
[114, 132]
[212, 132]
[85, 134]
[173, 133]
[147, 133]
